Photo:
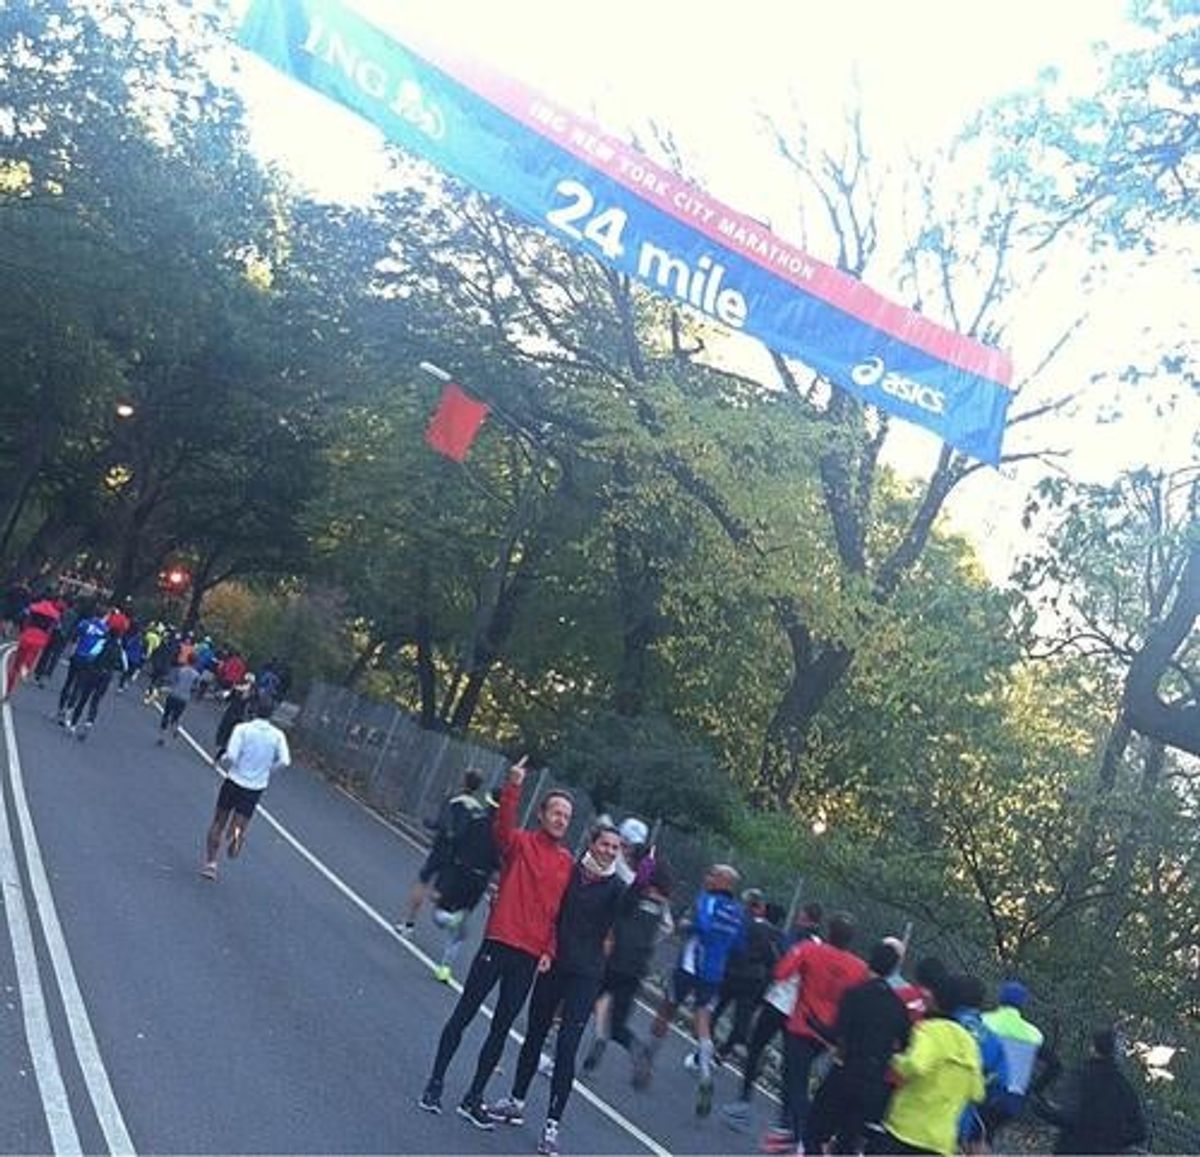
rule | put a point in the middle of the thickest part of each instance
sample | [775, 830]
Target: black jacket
[872, 1026]
[751, 968]
[589, 910]
[1102, 1112]
[470, 860]
[636, 932]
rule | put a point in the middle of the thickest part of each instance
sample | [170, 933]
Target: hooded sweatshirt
[534, 873]
[941, 1074]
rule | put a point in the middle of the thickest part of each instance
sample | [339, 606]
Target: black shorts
[434, 863]
[702, 993]
[235, 798]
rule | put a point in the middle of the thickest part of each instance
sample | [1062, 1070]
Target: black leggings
[90, 688]
[767, 1025]
[624, 988]
[49, 657]
[575, 994]
[494, 963]
[744, 998]
[66, 697]
[799, 1052]
[172, 710]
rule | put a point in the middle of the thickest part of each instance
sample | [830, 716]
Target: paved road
[273, 1011]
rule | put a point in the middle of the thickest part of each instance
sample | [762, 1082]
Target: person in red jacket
[826, 969]
[37, 625]
[518, 942]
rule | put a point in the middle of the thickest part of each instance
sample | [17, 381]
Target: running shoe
[83, 730]
[508, 1111]
[548, 1144]
[442, 974]
[737, 1115]
[704, 1097]
[777, 1140]
[209, 871]
[477, 1114]
[431, 1099]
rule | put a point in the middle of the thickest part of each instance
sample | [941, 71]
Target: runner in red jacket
[37, 625]
[519, 940]
[826, 970]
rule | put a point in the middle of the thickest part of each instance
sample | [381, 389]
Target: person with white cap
[634, 835]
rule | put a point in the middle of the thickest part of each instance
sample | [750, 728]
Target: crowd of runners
[97, 644]
[875, 1058]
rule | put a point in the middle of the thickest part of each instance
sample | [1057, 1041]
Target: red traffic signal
[174, 580]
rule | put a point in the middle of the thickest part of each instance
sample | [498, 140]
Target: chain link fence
[382, 755]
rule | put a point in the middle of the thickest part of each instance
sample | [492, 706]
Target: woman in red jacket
[518, 942]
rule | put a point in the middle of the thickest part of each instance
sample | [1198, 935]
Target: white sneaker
[548, 1145]
[508, 1111]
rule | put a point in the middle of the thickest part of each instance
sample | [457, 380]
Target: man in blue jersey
[716, 928]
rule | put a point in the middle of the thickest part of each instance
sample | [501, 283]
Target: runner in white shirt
[255, 750]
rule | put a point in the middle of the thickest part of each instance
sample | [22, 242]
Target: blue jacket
[90, 636]
[718, 927]
[995, 1068]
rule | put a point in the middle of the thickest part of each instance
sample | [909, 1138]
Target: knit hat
[633, 831]
[1014, 993]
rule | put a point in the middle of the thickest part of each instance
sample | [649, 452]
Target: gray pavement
[275, 1010]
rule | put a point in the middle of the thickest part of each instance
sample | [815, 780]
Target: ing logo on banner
[403, 96]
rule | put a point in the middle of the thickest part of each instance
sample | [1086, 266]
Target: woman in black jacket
[1101, 1112]
[571, 983]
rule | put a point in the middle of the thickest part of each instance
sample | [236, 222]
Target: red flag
[455, 423]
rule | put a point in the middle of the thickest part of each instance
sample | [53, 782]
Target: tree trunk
[499, 628]
[29, 465]
[637, 604]
[201, 585]
[1121, 903]
[1176, 724]
[495, 607]
[426, 672]
[816, 671]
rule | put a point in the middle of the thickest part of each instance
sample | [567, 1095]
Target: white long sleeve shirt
[255, 749]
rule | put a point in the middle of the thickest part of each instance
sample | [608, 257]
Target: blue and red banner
[602, 196]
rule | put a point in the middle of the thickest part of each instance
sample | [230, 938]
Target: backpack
[471, 859]
[93, 635]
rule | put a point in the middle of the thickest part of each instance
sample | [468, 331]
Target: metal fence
[382, 754]
[384, 757]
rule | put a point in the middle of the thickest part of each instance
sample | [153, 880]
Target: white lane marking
[597, 1102]
[55, 1104]
[95, 1076]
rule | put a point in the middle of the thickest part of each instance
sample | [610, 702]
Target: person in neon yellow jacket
[940, 1073]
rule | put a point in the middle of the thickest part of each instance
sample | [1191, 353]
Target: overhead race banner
[599, 194]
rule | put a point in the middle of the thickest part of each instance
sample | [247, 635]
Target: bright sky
[922, 67]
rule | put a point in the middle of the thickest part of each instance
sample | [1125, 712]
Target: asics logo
[872, 372]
